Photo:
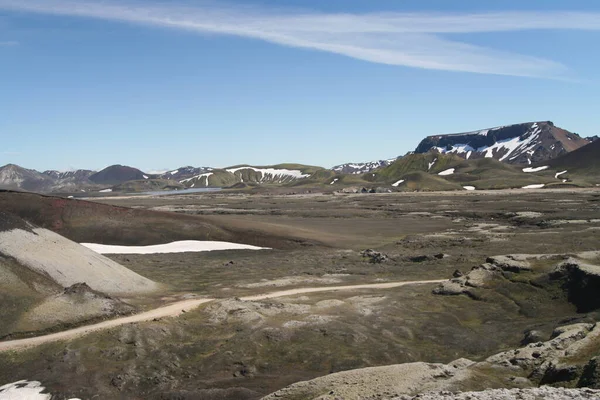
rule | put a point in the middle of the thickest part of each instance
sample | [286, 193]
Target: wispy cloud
[8, 43]
[419, 40]
[11, 153]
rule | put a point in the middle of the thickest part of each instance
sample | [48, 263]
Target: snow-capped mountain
[362, 168]
[184, 173]
[80, 175]
[527, 143]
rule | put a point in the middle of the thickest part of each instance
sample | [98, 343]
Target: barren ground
[238, 349]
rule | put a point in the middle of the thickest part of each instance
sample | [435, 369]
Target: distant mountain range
[533, 143]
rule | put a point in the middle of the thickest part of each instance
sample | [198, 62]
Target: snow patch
[334, 181]
[559, 174]
[396, 184]
[174, 172]
[174, 247]
[431, 164]
[536, 186]
[469, 187]
[447, 172]
[199, 178]
[24, 390]
[536, 169]
[105, 191]
[145, 176]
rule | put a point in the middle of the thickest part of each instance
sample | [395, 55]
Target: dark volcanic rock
[591, 374]
[375, 257]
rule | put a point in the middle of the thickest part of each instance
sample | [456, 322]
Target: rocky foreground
[541, 393]
[566, 358]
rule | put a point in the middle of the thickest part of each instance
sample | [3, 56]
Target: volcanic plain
[244, 344]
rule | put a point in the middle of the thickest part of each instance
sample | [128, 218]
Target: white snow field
[396, 184]
[174, 247]
[469, 187]
[68, 263]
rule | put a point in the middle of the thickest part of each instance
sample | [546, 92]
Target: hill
[91, 222]
[585, 160]
[428, 163]
[117, 174]
[526, 143]
[47, 281]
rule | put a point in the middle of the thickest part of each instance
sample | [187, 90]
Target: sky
[159, 84]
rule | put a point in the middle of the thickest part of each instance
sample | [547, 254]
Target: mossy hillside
[415, 163]
[422, 181]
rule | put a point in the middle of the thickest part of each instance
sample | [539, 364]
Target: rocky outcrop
[581, 281]
[511, 262]
[375, 257]
[463, 284]
[522, 369]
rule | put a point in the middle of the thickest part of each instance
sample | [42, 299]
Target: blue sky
[159, 84]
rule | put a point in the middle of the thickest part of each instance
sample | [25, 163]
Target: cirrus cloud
[419, 40]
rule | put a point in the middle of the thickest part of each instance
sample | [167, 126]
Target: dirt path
[175, 309]
[171, 310]
[291, 292]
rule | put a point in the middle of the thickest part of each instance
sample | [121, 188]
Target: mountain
[592, 138]
[117, 174]
[527, 143]
[15, 177]
[77, 175]
[362, 168]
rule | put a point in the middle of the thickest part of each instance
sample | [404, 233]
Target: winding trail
[175, 309]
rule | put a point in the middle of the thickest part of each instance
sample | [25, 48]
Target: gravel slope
[68, 263]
